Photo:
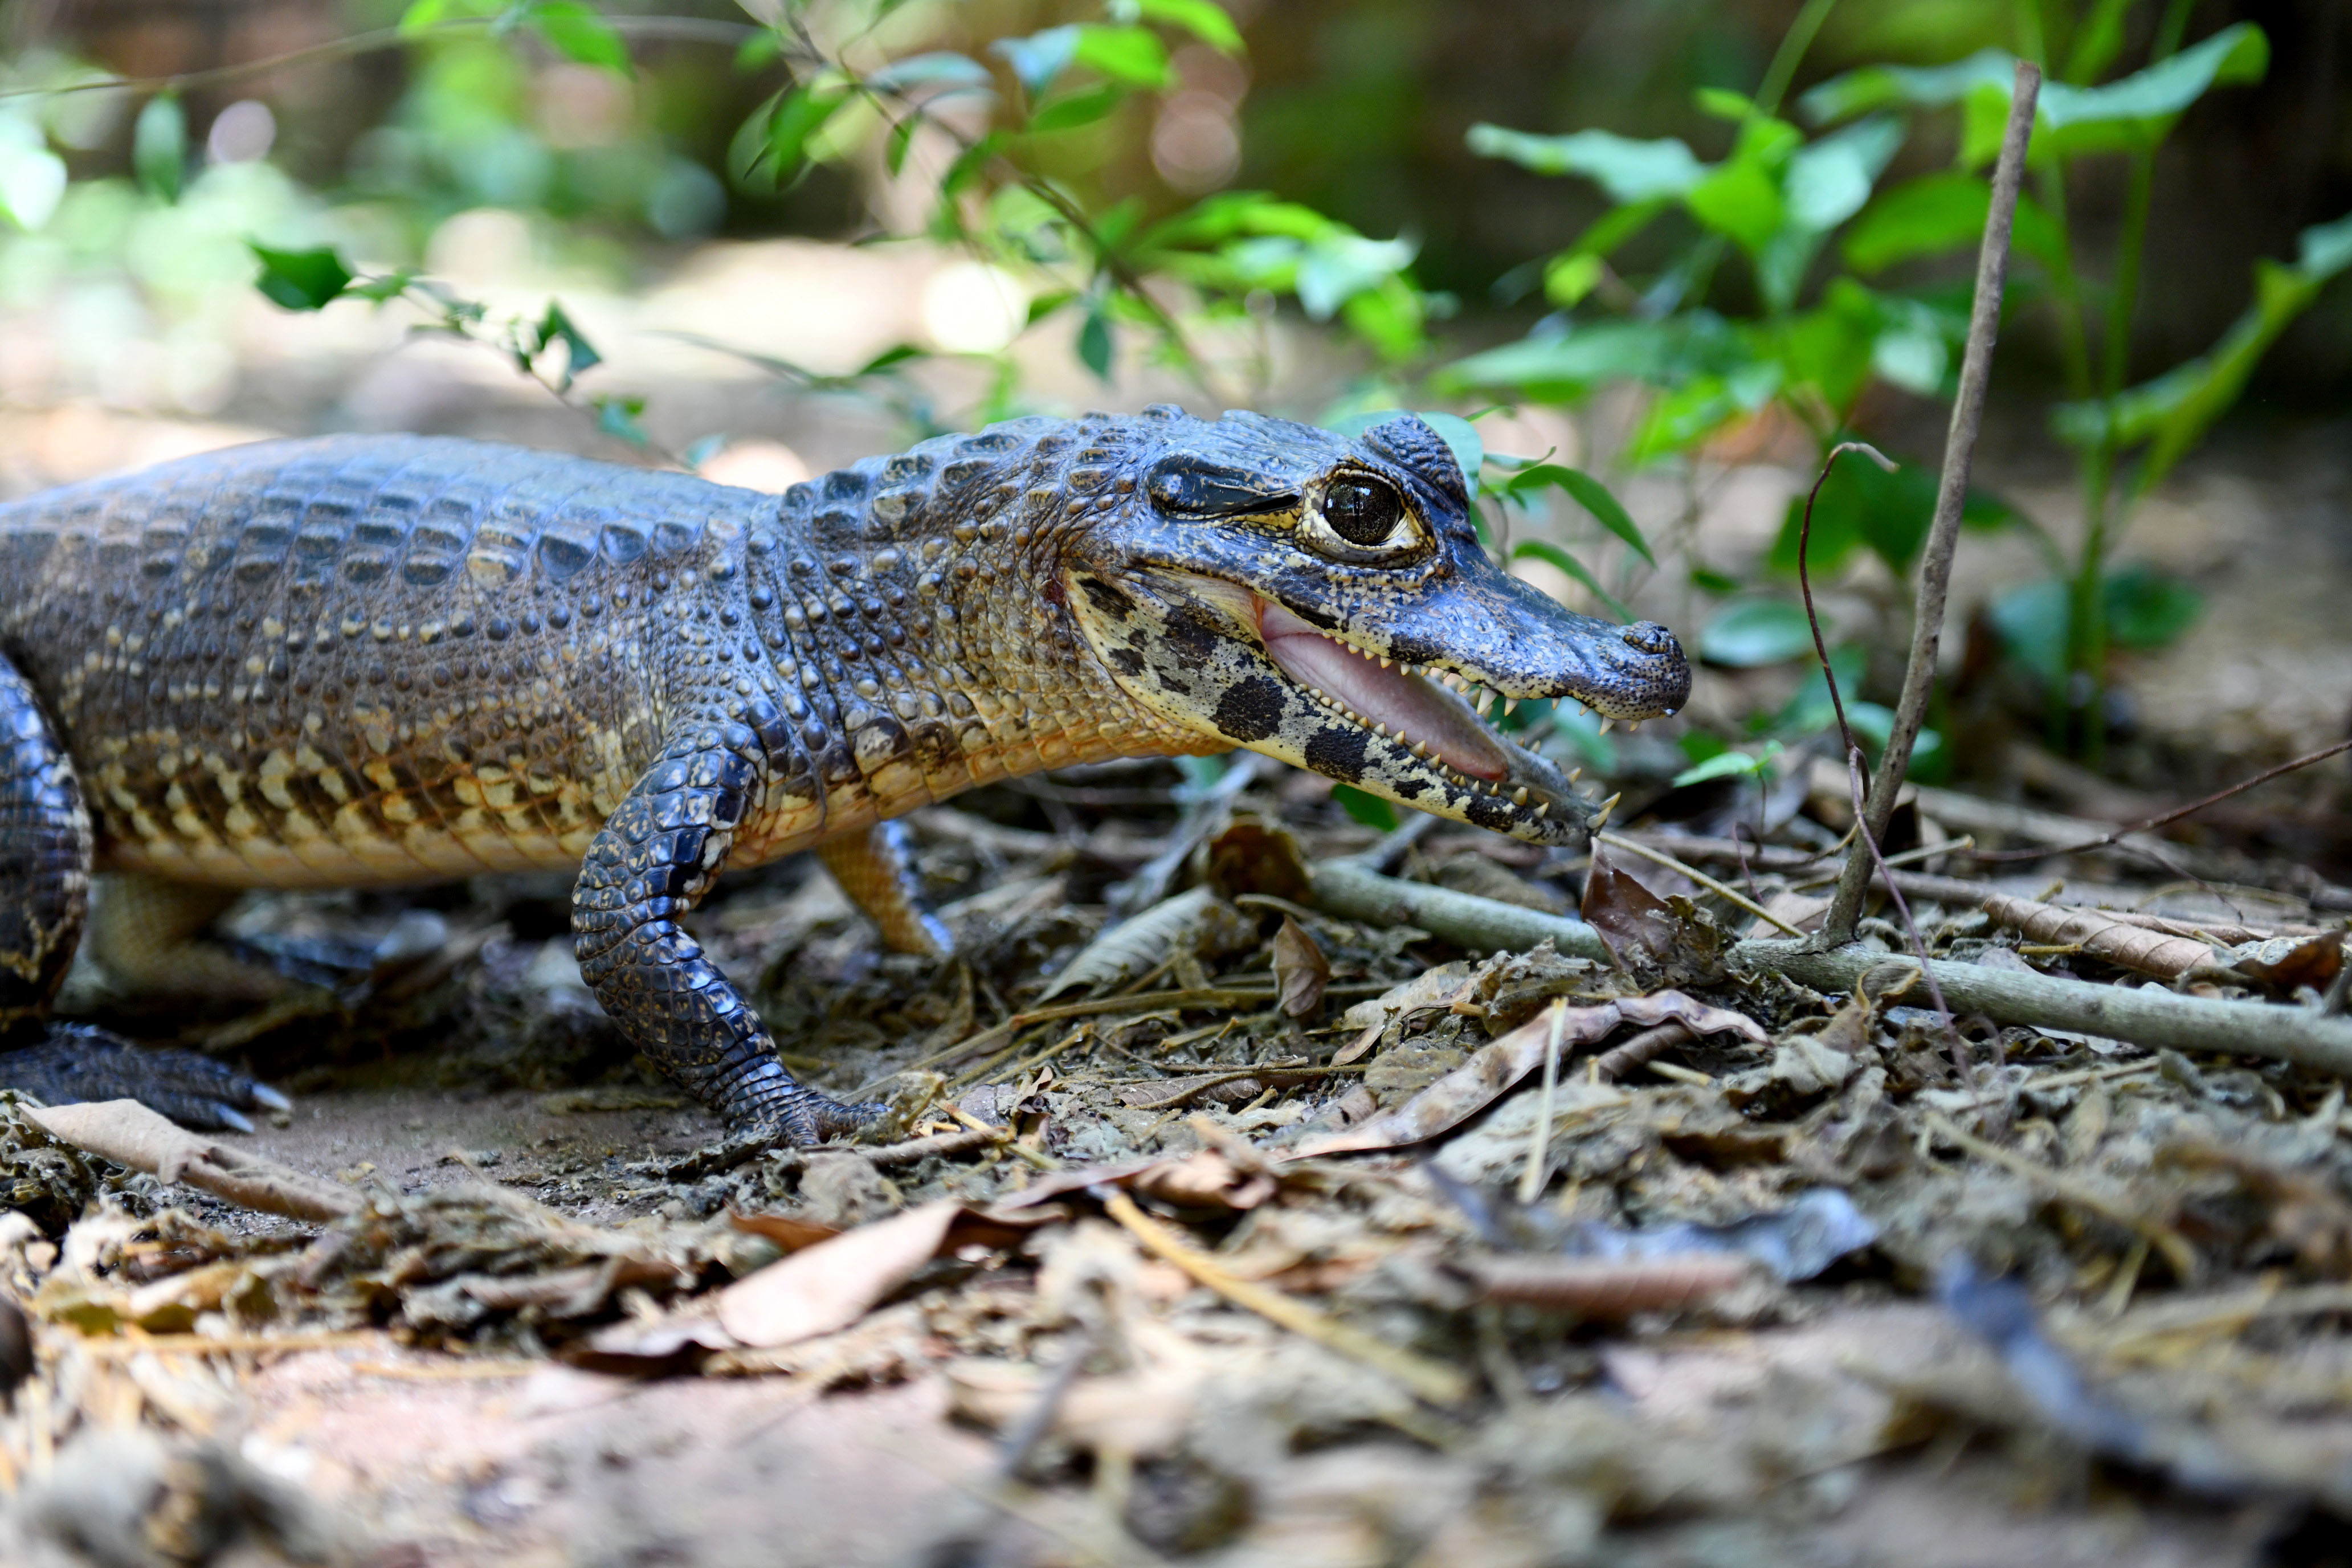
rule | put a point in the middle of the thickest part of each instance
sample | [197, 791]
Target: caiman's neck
[922, 640]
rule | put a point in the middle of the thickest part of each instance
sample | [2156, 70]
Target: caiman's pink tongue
[1414, 709]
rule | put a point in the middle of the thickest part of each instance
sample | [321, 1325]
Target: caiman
[369, 660]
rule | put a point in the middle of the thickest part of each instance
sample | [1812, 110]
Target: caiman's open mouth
[1385, 697]
[1402, 704]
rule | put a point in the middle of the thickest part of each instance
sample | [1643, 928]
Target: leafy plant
[1802, 212]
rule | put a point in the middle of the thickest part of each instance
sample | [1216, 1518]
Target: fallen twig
[1951, 494]
[1606, 1287]
[2142, 1016]
[1429, 1380]
[128, 1133]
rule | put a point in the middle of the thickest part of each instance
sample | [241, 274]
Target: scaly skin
[371, 660]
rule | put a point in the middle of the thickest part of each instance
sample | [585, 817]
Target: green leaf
[1729, 765]
[1073, 110]
[1094, 344]
[1336, 268]
[1723, 103]
[579, 354]
[1589, 493]
[301, 279]
[1627, 169]
[617, 417]
[1134, 55]
[1551, 555]
[2098, 39]
[1369, 809]
[1040, 58]
[940, 69]
[2135, 112]
[1938, 213]
[1561, 367]
[159, 147]
[391, 285]
[1697, 409]
[422, 14]
[2175, 409]
[1741, 201]
[1828, 181]
[2032, 621]
[1568, 276]
[2147, 608]
[1204, 19]
[577, 32]
[794, 118]
[1748, 633]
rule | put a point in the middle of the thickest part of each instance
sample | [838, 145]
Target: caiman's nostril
[1650, 637]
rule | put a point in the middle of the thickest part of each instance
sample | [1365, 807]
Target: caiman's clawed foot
[808, 1117]
[75, 1062]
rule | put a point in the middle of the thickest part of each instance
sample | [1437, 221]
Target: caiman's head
[1318, 599]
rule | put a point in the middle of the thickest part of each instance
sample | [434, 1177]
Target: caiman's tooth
[1544, 810]
[1486, 702]
[1382, 731]
[1510, 706]
[1574, 775]
[1519, 796]
[1315, 693]
[1632, 725]
[1607, 806]
[1607, 725]
[1384, 661]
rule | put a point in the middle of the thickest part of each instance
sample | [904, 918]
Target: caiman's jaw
[1292, 594]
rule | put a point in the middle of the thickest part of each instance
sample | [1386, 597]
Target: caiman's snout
[1652, 677]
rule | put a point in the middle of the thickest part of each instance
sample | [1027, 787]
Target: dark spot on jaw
[1410, 788]
[1127, 661]
[1489, 811]
[1251, 709]
[1107, 599]
[1337, 752]
[1193, 633]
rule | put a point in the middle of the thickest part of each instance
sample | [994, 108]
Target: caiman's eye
[1359, 517]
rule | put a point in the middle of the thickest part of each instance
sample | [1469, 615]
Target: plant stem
[1943, 534]
[2102, 518]
[1790, 54]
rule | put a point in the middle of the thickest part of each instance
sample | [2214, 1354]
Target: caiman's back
[360, 659]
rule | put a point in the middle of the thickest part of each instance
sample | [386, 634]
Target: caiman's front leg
[652, 862]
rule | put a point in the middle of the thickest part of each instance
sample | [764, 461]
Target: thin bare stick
[1943, 534]
[1910, 926]
[1531, 1180]
[2042, 852]
[1805, 575]
[1430, 1380]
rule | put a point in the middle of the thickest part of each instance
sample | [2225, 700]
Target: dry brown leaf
[2103, 937]
[1301, 972]
[833, 1284]
[1478, 1082]
[1634, 921]
[1198, 920]
[2285, 962]
[787, 1231]
[1204, 1180]
[1431, 988]
[128, 1133]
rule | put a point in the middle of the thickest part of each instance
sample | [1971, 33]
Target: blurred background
[1654, 256]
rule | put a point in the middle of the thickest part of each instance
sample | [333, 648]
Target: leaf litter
[1235, 1232]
